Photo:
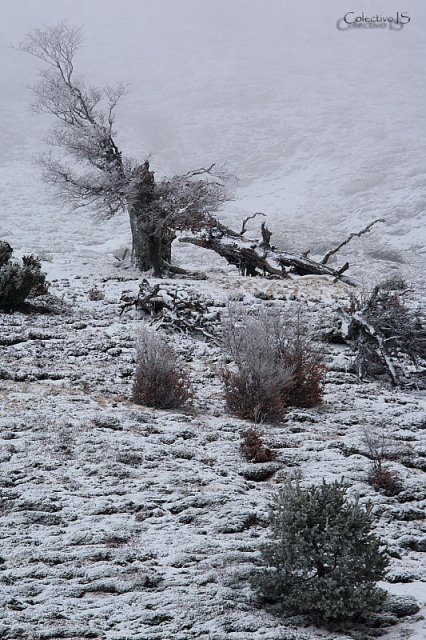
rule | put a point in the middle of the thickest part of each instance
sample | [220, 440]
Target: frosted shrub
[395, 283]
[159, 379]
[276, 365]
[322, 559]
[259, 386]
[379, 447]
[253, 448]
[18, 280]
[308, 370]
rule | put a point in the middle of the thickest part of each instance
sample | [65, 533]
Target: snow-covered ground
[121, 522]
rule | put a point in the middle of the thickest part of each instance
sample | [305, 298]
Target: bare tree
[94, 173]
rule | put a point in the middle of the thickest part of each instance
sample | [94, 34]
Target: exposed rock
[259, 472]
[401, 606]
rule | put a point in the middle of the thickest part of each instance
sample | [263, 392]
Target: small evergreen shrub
[322, 559]
[18, 280]
[395, 283]
[253, 449]
[159, 379]
[5, 252]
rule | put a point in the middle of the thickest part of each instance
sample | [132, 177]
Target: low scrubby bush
[308, 371]
[257, 395]
[385, 480]
[322, 559]
[160, 380]
[275, 365]
[378, 445]
[18, 280]
[257, 388]
[96, 294]
[253, 448]
[394, 283]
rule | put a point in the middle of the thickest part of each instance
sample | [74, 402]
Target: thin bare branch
[56, 46]
[200, 171]
[348, 239]
[244, 228]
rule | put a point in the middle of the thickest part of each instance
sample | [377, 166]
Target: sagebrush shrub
[322, 559]
[253, 448]
[276, 366]
[258, 388]
[160, 380]
[308, 371]
[379, 445]
[257, 395]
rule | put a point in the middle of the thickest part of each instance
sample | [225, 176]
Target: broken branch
[244, 228]
[348, 239]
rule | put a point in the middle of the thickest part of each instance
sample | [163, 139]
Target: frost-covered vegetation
[276, 364]
[18, 280]
[160, 380]
[147, 424]
[323, 559]
[132, 509]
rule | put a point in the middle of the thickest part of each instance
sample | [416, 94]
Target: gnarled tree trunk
[151, 249]
[151, 241]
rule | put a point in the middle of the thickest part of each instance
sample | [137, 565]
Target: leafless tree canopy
[94, 172]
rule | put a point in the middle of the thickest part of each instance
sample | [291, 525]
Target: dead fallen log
[386, 334]
[172, 308]
[257, 257]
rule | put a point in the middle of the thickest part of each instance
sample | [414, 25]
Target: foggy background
[324, 128]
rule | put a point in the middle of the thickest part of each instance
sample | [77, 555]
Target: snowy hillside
[323, 127]
[122, 522]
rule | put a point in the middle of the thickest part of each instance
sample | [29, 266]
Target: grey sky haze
[326, 120]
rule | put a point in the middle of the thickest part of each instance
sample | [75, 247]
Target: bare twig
[200, 172]
[348, 239]
[244, 228]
